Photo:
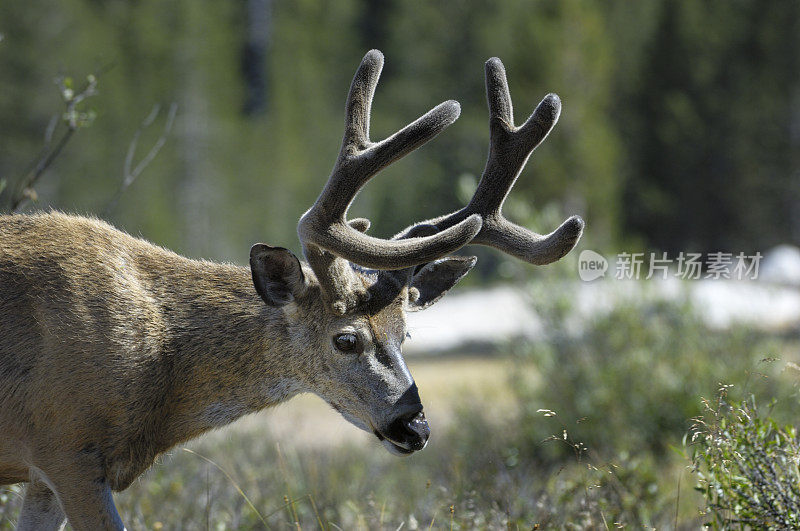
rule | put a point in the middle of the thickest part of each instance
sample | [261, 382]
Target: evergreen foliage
[679, 128]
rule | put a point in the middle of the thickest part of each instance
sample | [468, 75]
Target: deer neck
[227, 353]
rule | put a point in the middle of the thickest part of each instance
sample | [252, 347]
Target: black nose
[410, 399]
[409, 430]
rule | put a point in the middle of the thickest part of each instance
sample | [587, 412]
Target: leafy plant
[628, 380]
[747, 465]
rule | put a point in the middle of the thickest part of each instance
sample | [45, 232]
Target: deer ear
[431, 282]
[277, 274]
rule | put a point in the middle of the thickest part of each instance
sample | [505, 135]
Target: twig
[678, 499]
[316, 512]
[25, 188]
[130, 172]
[208, 501]
[288, 496]
[74, 120]
[50, 131]
[48, 140]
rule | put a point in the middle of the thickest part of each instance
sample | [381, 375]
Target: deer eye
[346, 343]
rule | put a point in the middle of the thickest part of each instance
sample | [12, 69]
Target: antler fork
[329, 239]
[509, 150]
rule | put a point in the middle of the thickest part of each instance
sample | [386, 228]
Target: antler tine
[360, 159]
[497, 94]
[325, 225]
[357, 117]
[359, 103]
[509, 150]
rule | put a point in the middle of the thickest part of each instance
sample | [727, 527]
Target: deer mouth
[406, 434]
[392, 446]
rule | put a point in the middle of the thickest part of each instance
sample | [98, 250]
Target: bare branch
[173, 109]
[74, 120]
[130, 172]
[25, 188]
[50, 131]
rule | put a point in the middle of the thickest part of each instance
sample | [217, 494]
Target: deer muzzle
[407, 433]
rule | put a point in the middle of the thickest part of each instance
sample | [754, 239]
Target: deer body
[127, 348]
[113, 350]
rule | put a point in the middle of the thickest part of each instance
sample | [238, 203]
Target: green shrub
[747, 466]
[628, 381]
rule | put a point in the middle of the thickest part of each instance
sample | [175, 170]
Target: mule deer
[113, 350]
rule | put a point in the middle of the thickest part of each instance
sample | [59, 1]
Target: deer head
[346, 306]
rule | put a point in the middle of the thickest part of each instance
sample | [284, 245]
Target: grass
[747, 465]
